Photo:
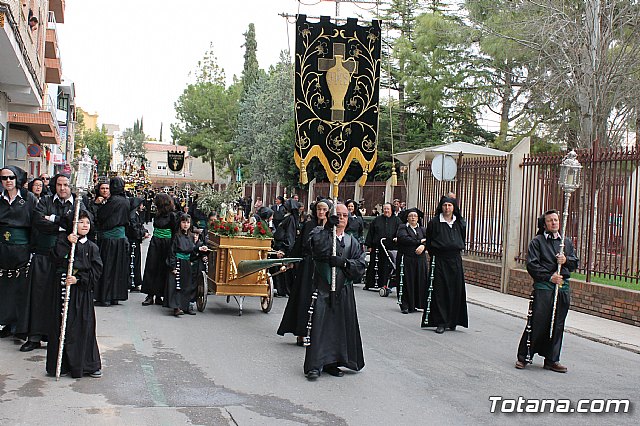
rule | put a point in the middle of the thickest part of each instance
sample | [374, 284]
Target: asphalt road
[217, 368]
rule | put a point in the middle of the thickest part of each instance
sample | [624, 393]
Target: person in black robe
[543, 258]
[16, 210]
[379, 268]
[52, 216]
[334, 339]
[446, 305]
[102, 194]
[296, 315]
[411, 262]
[136, 233]
[279, 211]
[80, 354]
[185, 250]
[198, 217]
[156, 269]
[283, 241]
[356, 224]
[113, 218]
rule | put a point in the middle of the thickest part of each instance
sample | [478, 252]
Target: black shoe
[29, 346]
[440, 329]
[452, 328]
[333, 371]
[5, 332]
[115, 302]
[148, 301]
[405, 311]
[96, 374]
[106, 304]
[158, 300]
[190, 312]
[134, 289]
[313, 374]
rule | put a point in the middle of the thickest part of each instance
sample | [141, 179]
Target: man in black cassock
[384, 226]
[446, 305]
[334, 340]
[136, 232]
[543, 259]
[411, 263]
[278, 211]
[53, 216]
[113, 218]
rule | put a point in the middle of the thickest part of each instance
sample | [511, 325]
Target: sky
[133, 58]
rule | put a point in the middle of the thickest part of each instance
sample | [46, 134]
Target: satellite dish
[444, 167]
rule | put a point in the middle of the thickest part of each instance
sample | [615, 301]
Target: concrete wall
[23, 138]
[4, 109]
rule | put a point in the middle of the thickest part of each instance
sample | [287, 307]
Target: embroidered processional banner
[337, 88]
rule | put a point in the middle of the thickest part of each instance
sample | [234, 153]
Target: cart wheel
[201, 296]
[384, 292]
[266, 302]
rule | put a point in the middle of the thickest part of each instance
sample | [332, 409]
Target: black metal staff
[82, 180]
[569, 181]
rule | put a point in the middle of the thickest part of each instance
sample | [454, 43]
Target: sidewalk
[612, 333]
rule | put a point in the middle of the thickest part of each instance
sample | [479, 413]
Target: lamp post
[81, 181]
[569, 181]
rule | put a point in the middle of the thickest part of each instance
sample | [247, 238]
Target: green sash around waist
[161, 233]
[547, 285]
[114, 233]
[183, 256]
[14, 236]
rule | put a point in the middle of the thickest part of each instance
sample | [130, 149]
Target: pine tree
[251, 70]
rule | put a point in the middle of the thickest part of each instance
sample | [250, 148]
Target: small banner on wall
[337, 84]
[175, 160]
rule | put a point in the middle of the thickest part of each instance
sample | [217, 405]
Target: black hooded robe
[15, 221]
[113, 218]
[42, 280]
[81, 354]
[411, 269]
[283, 240]
[296, 315]
[335, 332]
[156, 269]
[379, 269]
[447, 304]
[181, 288]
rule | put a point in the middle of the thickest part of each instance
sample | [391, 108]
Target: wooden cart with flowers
[238, 264]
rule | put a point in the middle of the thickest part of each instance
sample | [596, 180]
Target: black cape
[81, 354]
[448, 301]
[335, 332]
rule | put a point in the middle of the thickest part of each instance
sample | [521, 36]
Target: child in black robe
[181, 289]
[81, 354]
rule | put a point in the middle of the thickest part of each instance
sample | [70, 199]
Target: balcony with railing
[51, 42]
[57, 7]
[44, 124]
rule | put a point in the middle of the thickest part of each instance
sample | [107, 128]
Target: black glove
[337, 261]
[332, 221]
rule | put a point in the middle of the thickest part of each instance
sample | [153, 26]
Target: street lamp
[569, 181]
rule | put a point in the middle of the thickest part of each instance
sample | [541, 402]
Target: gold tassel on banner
[363, 178]
[394, 175]
[304, 179]
[335, 188]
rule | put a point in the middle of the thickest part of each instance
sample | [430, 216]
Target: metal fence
[480, 187]
[603, 212]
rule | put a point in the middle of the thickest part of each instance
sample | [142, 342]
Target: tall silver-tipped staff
[569, 181]
[332, 293]
[81, 181]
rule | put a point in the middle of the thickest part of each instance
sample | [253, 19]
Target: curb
[575, 331]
